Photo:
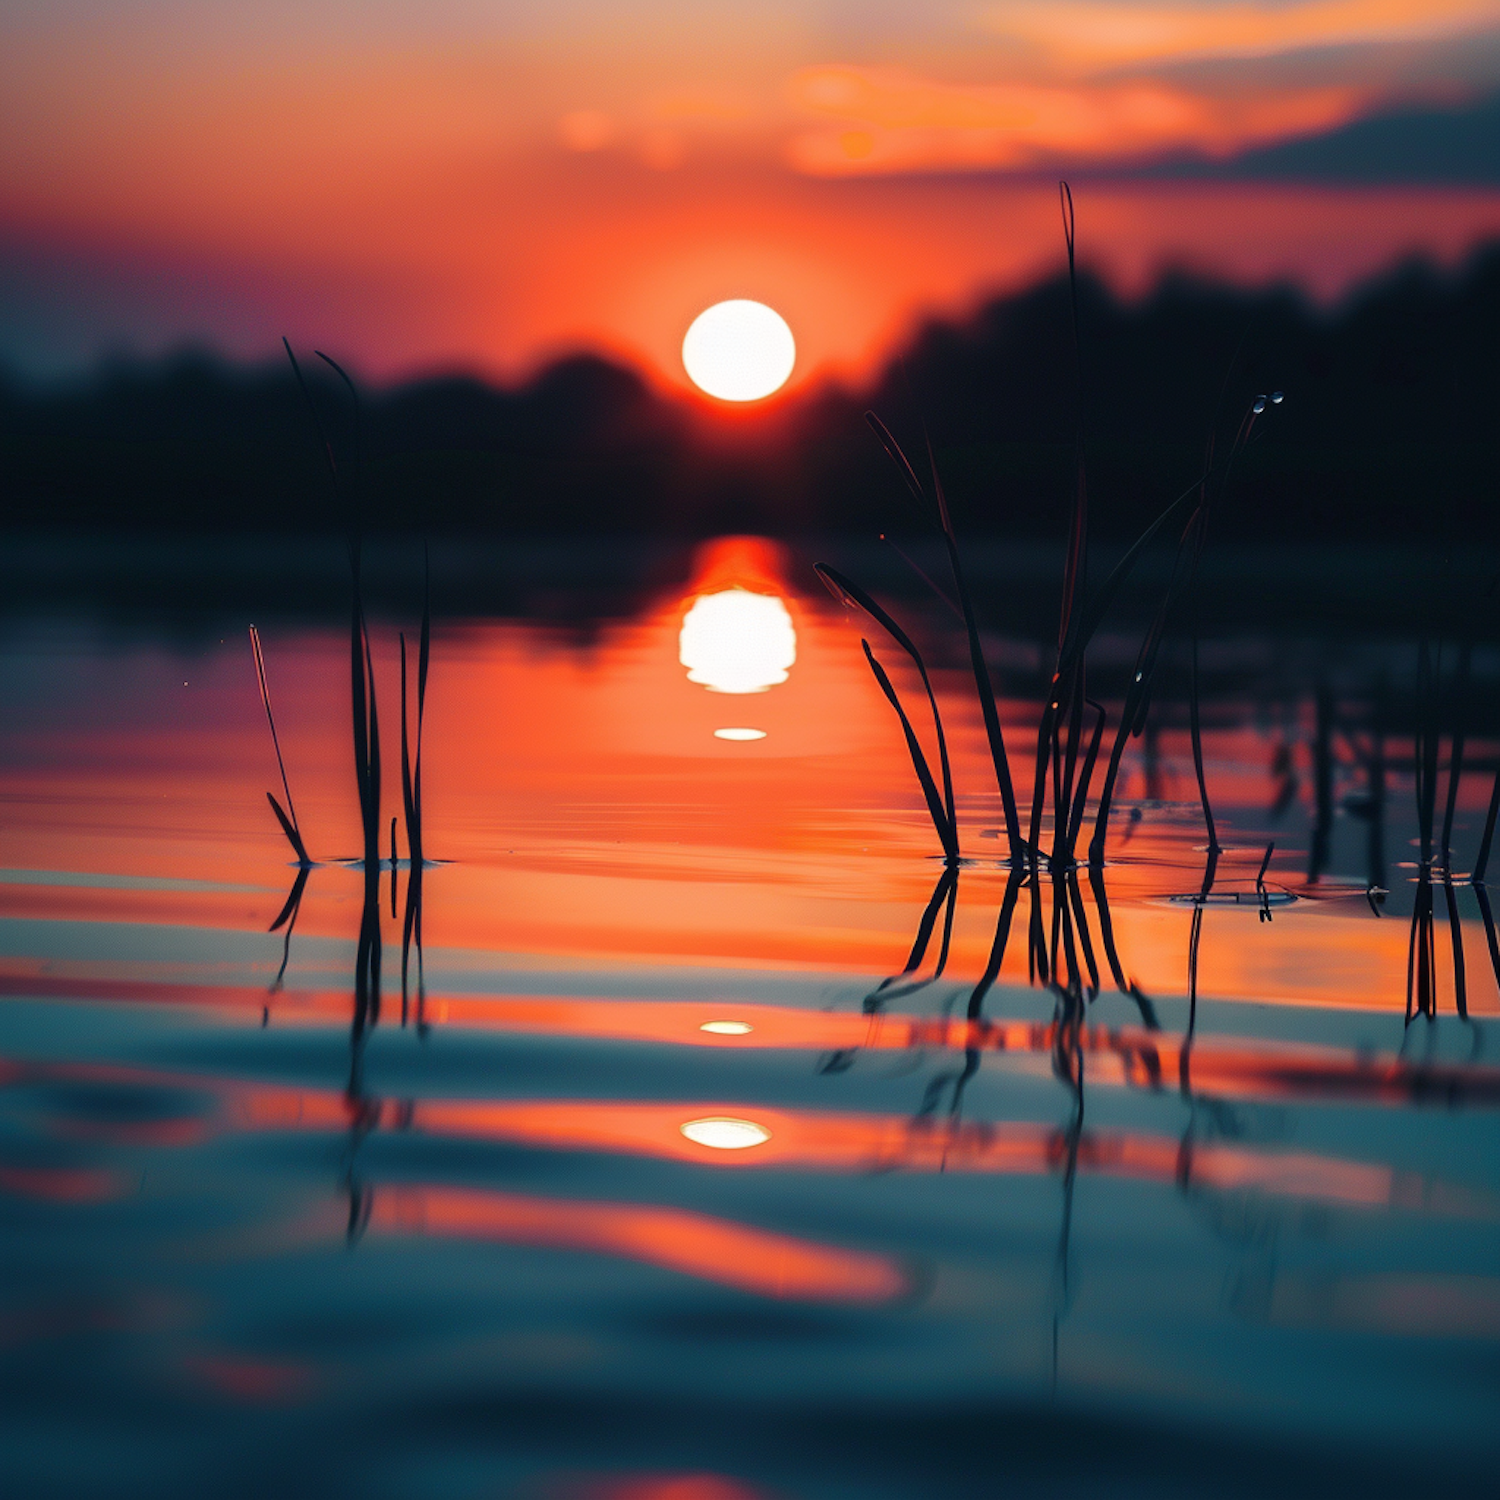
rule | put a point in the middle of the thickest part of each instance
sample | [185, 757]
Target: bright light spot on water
[739, 351]
[726, 1028]
[739, 734]
[737, 642]
[725, 1134]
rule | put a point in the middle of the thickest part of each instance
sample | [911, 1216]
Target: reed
[1440, 707]
[365, 736]
[1487, 838]
[1264, 913]
[1070, 738]
[1060, 743]
[940, 805]
[1421, 960]
[411, 796]
[287, 818]
[983, 686]
[1487, 917]
[1458, 715]
[1056, 749]
[363, 702]
[1137, 702]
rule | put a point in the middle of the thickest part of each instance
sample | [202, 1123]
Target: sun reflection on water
[724, 1134]
[737, 642]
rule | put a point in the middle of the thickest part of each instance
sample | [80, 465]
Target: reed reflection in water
[717, 1102]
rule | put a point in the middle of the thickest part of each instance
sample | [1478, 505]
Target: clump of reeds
[1435, 866]
[365, 727]
[1072, 725]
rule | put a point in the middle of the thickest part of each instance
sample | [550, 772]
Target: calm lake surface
[712, 1145]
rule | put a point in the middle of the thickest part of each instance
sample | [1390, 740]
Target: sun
[739, 351]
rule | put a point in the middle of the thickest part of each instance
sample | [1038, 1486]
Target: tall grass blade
[1137, 702]
[290, 830]
[923, 574]
[1375, 846]
[1076, 571]
[293, 833]
[408, 798]
[1487, 839]
[312, 411]
[897, 456]
[411, 789]
[1260, 882]
[935, 805]
[1081, 627]
[1487, 916]
[359, 687]
[849, 592]
[424, 655]
[1085, 778]
[983, 687]
[1426, 750]
[1088, 620]
[359, 440]
[372, 826]
[1455, 753]
[411, 751]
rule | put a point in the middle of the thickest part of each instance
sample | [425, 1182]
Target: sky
[490, 184]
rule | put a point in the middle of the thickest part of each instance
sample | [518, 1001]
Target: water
[641, 1186]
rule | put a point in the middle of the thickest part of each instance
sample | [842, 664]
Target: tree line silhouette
[1389, 430]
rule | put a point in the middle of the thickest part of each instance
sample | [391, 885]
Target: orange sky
[488, 185]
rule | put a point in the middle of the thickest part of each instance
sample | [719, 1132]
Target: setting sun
[739, 351]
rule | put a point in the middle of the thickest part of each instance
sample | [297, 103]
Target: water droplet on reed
[1260, 405]
[1277, 397]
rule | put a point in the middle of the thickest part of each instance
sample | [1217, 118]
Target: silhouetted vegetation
[1389, 421]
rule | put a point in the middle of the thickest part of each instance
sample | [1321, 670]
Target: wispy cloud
[1089, 36]
[889, 121]
[1090, 82]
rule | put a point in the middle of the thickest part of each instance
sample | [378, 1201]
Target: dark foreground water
[620, 1166]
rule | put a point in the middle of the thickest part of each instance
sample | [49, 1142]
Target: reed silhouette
[1066, 746]
[347, 485]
